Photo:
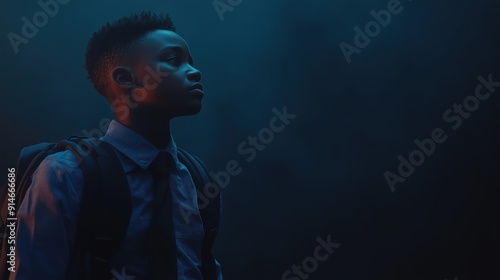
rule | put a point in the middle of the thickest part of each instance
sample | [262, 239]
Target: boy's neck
[156, 131]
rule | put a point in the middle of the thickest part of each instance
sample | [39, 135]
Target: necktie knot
[161, 164]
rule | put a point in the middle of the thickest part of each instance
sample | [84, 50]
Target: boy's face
[164, 67]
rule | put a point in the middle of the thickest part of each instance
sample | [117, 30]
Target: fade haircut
[112, 42]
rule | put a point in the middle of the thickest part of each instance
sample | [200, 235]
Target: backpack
[102, 225]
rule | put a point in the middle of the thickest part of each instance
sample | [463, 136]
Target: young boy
[145, 71]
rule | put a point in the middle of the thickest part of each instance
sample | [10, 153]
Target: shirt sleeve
[47, 219]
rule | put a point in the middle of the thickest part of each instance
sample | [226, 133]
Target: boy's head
[140, 62]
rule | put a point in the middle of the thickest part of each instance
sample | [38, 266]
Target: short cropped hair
[111, 43]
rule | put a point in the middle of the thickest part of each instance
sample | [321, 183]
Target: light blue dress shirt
[47, 216]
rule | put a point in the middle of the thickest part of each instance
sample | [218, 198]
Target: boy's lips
[197, 86]
[196, 92]
[196, 89]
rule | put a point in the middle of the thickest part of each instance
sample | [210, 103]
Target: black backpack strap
[105, 210]
[210, 212]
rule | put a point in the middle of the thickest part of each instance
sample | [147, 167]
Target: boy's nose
[194, 75]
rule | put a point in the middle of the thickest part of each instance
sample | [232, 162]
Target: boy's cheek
[153, 78]
[159, 73]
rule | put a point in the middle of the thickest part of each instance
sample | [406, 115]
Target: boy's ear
[123, 77]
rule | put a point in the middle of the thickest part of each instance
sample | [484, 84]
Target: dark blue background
[323, 175]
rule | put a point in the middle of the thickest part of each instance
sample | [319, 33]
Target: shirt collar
[135, 147]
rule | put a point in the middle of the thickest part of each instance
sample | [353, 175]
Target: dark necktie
[162, 247]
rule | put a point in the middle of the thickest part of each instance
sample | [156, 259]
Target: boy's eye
[173, 59]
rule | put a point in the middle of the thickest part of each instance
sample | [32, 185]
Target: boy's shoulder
[62, 160]
[60, 168]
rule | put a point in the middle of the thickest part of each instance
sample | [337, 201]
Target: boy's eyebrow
[177, 49]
